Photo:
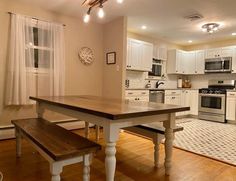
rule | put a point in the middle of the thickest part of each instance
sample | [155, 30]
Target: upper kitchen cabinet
[188, 63]
[160, 53]
[200, 62]
[139, 55]
[219, 52]
[234, 60]
[189, 59]
[175, 60]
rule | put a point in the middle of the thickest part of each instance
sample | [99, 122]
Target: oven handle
[212, 95]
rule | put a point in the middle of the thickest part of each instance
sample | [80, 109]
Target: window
[40, 50]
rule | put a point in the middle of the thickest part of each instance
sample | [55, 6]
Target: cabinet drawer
[172, 92]
[231, 94]
[136, 93]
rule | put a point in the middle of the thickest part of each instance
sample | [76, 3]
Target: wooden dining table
[113, 115]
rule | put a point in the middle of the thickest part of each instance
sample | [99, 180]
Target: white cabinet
[160, 53]
[137, 95]
[139, 55]
[234, 61]
[173, 97]
[213, 53]
[187, 63]
[146, 60]
[219, 52]
[200, 62]
[189, 59]
[188, 98]
[175, 60]
[227, 52]
[194, 102]
[231, 107]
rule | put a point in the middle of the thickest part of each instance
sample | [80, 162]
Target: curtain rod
[35, 18]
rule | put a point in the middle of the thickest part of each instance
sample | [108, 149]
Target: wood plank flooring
[134, 162]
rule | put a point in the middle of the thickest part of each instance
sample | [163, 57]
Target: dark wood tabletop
[110, 108]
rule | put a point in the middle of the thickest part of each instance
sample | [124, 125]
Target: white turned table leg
[157, 141]
[169, 125]
[86, 168]
[86, 129]
[18, 142]
[40, 110]
[111, 136]
[55, 169]
[97, 132]
[110, 161]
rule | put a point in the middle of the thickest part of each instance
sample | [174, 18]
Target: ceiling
[164, 18]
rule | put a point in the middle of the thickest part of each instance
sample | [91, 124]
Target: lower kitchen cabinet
[137, 95]
[231, 107]
[187, 98]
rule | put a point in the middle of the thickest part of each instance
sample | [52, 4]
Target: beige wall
[115, 40]
[80, 79]
[209, 45]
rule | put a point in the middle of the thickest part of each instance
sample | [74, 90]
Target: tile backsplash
[139, 80]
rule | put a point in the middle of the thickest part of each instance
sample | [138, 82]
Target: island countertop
[110, 108]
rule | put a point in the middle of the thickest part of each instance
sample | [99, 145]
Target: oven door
[212, 103]
[214, 65]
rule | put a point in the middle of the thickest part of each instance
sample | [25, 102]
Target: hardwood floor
[134, 162]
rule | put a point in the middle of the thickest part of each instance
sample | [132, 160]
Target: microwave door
[214, 65]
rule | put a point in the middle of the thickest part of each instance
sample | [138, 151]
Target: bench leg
[55, 169]
[157, 141]
[97, 132]
[86, 169]
[18, 142]
[86, 129]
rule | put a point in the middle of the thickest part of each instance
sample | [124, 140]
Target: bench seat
[58, 145]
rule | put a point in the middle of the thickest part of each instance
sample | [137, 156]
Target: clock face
[86, 56]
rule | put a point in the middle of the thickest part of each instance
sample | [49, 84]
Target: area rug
[210, 139]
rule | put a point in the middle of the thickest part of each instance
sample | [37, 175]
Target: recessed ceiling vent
[194, 17]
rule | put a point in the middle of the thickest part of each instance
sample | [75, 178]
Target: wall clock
[86, 55]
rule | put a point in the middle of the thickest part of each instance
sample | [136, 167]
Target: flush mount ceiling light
[144, 27]
[190, 41]
[96, 4]
[233, 34]
[210, 27]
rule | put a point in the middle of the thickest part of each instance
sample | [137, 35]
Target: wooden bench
[154, 131]
[58, 145]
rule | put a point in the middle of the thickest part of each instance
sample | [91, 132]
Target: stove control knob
[211, 92]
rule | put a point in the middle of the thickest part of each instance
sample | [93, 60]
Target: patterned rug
[211, 139]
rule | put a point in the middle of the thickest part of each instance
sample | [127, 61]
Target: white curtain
[36, 60]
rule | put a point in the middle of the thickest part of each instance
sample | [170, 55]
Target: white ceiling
[163, 18]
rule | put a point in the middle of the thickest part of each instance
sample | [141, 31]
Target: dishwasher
[156, 96]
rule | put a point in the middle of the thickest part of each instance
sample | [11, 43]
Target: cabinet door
[136, 54]
[189, 62]
[234, 61]
[227, 52]
[128, 60]
[146, 58]
[162, 53]
[200, 62]
[213, 53]
[179, 60]
[231, 109]
[194, 102]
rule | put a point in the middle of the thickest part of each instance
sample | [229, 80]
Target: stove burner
[212, 91]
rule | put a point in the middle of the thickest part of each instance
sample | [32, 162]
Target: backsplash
[139, 80]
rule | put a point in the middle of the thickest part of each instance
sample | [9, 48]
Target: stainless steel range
[212, 100]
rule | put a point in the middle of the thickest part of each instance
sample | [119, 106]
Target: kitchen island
[113, 115]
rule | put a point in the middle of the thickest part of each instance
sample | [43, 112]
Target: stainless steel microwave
[218, 65]
[156, 68]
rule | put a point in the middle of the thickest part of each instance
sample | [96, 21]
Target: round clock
[86, 55]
